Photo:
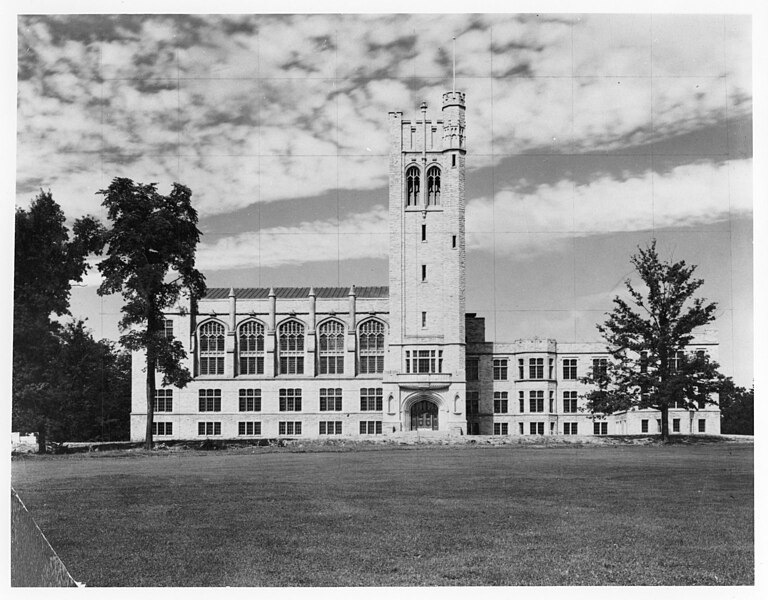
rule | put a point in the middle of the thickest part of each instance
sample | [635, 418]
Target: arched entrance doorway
[424, 415]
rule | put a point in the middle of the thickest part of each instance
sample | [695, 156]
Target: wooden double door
[424, 415]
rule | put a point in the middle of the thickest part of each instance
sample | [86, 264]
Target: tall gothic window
[291, 348]
[331, 348]
[211, 349]
[251, 348]
[371, 347]
[433, 186]
[413, 185]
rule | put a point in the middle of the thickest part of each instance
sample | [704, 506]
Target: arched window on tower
[371, 347]
[331, 353]
[433, 186]
[211, 349]
[251, 348]
[291, 335]
[412, 185]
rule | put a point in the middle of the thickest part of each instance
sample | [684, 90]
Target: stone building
[367, 361]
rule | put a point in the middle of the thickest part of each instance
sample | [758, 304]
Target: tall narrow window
[167, 329]
[292, 348]
[453, 160]
[453, 241]
[211, 349]
[423, 232]
[433, 186]
[423, 272]
[371, 347]
[412, 185]
[251, 348]
[423, 319]
[331, 348]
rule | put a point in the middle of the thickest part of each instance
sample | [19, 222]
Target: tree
[150, 259]
[46, 260]
[94, 388]
[646, 336]
[737, 408]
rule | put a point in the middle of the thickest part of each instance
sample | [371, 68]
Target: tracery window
[291, 337]
[331, 348]
[371, 347]
[433, 186]
[251, 348]
[211, 349]
[412, 185]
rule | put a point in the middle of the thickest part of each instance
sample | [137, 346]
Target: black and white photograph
[316, 299]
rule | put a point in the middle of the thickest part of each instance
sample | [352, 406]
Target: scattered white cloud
[281, 86]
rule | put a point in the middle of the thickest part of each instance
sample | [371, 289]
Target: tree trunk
[42, 438]
[664, 422]
[150, 398]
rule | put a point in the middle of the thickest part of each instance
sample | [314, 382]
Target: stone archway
[424, 416]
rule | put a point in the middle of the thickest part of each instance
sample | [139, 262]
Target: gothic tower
[425, 368]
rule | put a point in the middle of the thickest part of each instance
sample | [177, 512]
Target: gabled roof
[378, 291]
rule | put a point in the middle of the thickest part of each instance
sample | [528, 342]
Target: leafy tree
[94, 388]
[647, 335]
[46, 260]
[737, 408]
[150, 259]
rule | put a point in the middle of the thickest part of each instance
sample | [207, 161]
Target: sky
[588, 135]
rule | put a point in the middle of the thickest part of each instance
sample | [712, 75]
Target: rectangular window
[600, 428]
[520, 368]
[251, 365]
[289, 428]
[371, 399]
[331, 365]
[570, 429]
[536, 368]
[162, 428]
[453, 160]
[163, 401]
[521, 399]
[292, 365]
[167, 329]
[209, 428]
[330, 427]
[423, 273]
[423, 361]
[472, 403]
[569, 368]
[423, 233]
[520, 427]
[676, 425]
[473, 370]
[453, 241]
[599, 367]
[537, 428]
[675, 360]
[551, 372]
[569, 402]
[211, 365]
[209, 400]
[644, 426]
[330, 399]
[501, 429]
[536, 401]
[423, 319]
[702, 425]
[249, 428]
[499, 369]
[250, 400]
[370, 427]
[551, 401]
[290, 400]
[500, 403]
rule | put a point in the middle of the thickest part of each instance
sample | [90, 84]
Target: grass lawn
[419, 515]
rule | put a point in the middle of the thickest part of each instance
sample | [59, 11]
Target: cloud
[187, 91]
[694, 195]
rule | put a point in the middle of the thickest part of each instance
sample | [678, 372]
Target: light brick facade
[255, 351]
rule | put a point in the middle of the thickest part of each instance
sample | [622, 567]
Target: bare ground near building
[312, 514]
